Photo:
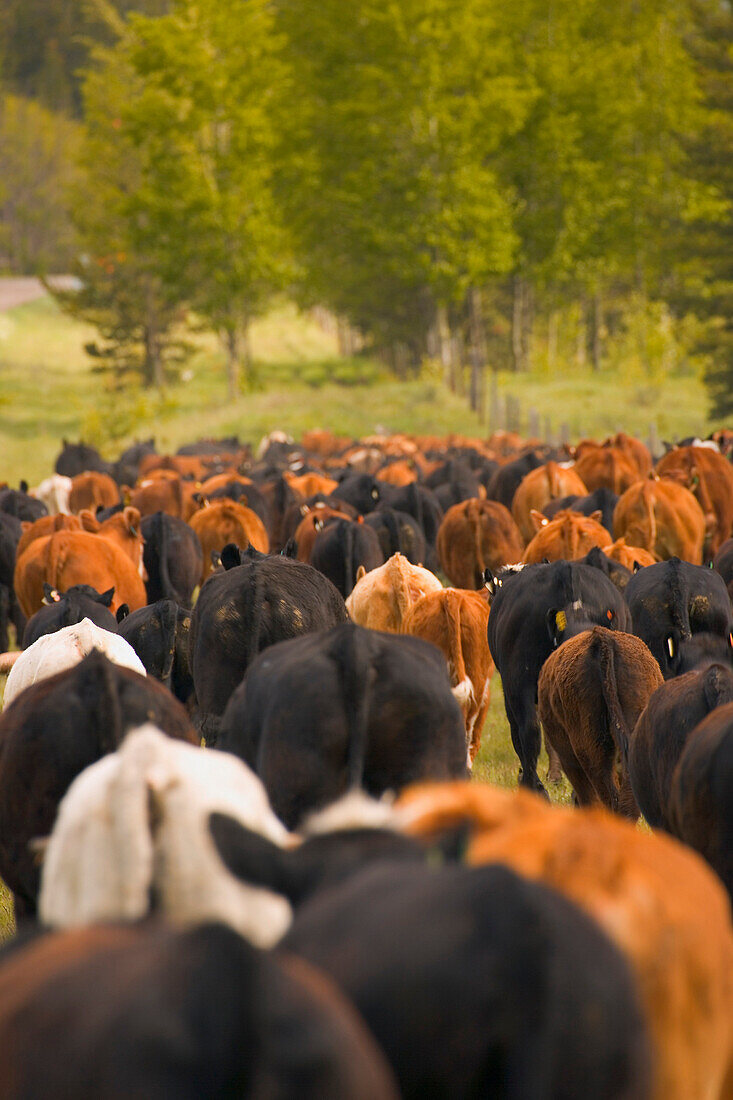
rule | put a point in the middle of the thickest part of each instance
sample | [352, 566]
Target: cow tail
[101, 699]
[254, 613]
[605, 651]
[350, 654]
[54, 559]
[417, 504]
[161, 539]
[401, 589]
[393, 531]
[648, 491]
[462, 687]
[680, 604]
[473, 515]
[552, 482]
[574, 535]
[346, 540]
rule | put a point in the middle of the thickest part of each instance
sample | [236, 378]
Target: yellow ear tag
[561, 620]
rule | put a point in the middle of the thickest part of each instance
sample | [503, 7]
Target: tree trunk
[581, 338]
[517, 324]
[153, 374]
[445, 345]
[552, 333]
[478, 349]
[597, 327]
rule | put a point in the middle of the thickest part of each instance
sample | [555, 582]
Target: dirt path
[16, 290]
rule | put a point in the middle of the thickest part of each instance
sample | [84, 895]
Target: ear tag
[670, 647]
[561, 621]
[609, 615]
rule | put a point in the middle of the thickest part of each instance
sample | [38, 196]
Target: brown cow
[184, 465]
[46, 525]
[455, 621]
[108, 555]
[590, 694]
[171, 495]
[310, 484]
[606, 467]
[538, 488]
[637, 451]
[401, 472]
[314, 520]
[629, 556]
[225, 521]
[566, 537]
[655, 898]
[93, 490]
[382, 597]
[709, 476]
[476, 535]
[662, 517]
[220, 480]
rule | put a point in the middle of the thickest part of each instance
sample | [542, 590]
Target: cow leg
[554, 771]
[526, 738]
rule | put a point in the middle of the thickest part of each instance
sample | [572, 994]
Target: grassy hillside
[48, 391]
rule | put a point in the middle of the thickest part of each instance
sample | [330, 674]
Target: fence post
[564, 434]
[533, 424]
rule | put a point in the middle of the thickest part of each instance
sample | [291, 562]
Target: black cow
[701, 798]
[255, 602]
[51, 732]
[10, 533]
[453, 482]
[478, 983]
[248, 495]
[507, 479]
[151, 631]
[723, 564]
[77, 458]
[341, 547]
[362, 491]
[603, 500]
[617, 573]
[228, 444]
[398, 533]
[16, 502]
[320, 714]
[155, 1012]
[173, 558]
[61, 609]
[663, 729]
[125, 470]
[533, 610]
[423, 505]
[672, 600]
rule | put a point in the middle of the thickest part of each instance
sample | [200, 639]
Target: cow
[602, 500]
[475, 536]
[342, 548]
[397, 472]
[17, 502]
[75, 458]
[66, 608]
[700, 808]
[607, 468]
[122, 1011]
[345, 708]
[363, 492]
[398, 533]
[242, 492]
[171, 495]
[44, 526]
[108, 555]
[656, 900]
[314, 520]
[254, 603]
[506, 480]
[672, 600]
[637, 451]
[11, 532]
[709, 476]
[151, 632]
[453, 483]
[662, 517]
[132, 836]
[723, 564]
[569, 536]
[65, 647]
[223, 522]
[533, 610]
[662, 731]
[456, 622]
[590, 693]
[632, 557]
[50, 733]
[172, 557]
[468, 977]
[538, 488]
[54, 493]
[93, 490]
[617, 573]
[381, 599]
[308, 484]
[422, 504]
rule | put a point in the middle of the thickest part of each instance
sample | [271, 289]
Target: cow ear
[597, 515]
[249, 856]
[23, 486]
[230, 556]
[636, 567]
[122, 611]
[538, 520]
[361, 572]
[491, 582]
[106, 598]
[50, 594]
[132, 519]
[89, 521]
[290, 549]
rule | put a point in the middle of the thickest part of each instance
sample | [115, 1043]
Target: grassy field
[47, 391]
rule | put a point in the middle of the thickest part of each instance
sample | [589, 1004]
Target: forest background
[453, 188]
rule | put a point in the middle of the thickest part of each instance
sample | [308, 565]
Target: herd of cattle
[319, 903]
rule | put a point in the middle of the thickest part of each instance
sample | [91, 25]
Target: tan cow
[566, 537]
[538, 488]
[225, 521]
[709, 476]
[455, 621]
[382, 597]
[655, 898]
